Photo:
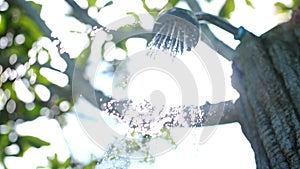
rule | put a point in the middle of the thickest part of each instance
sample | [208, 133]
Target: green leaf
[153, 12]
[170, 4]
[2, 23]
[37, 6]
[54, 163]
[249, 3]
[296, 3]
[4, 141]
[83, 56]
[108, 4]
[227, 9]
[40, 78]
[26, 142]
[122, 45]
[136, 16]
[29, 115]
[282, 7]
[91, 2]
[29, 26]
[150, 11]
[103, 49]
[91, 165]
[66, 163]
[173, 2]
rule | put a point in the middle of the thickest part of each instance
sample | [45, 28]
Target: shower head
[176, 30]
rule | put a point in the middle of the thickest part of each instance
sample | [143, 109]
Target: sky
[226, 148]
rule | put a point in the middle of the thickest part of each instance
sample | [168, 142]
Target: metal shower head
[176, 30]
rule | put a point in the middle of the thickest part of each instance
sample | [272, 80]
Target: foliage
[26, 142]
[249, 3]
[283, 8]
[20, 51]
[227, 9]
[154, 12]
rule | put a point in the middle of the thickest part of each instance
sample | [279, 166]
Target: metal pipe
[238, 33]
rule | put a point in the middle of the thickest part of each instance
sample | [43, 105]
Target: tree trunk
[266, 73]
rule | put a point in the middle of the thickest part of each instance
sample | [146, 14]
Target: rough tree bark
[266, 72]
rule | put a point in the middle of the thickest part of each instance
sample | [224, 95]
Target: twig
[82, 14]
[194, 5]
[118, 35]
[211, 40]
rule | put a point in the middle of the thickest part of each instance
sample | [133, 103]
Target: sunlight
[42, 92]
[48, 130]
[55, 77]
[158, 4]
[22, 91]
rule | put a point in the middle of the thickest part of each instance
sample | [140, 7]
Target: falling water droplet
[173, 38]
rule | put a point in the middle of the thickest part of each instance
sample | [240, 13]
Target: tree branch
[194, 5]
[220, 113]
[174, 116]
[82, 14]
[33, 14]
[118, 35]
[211, 40]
